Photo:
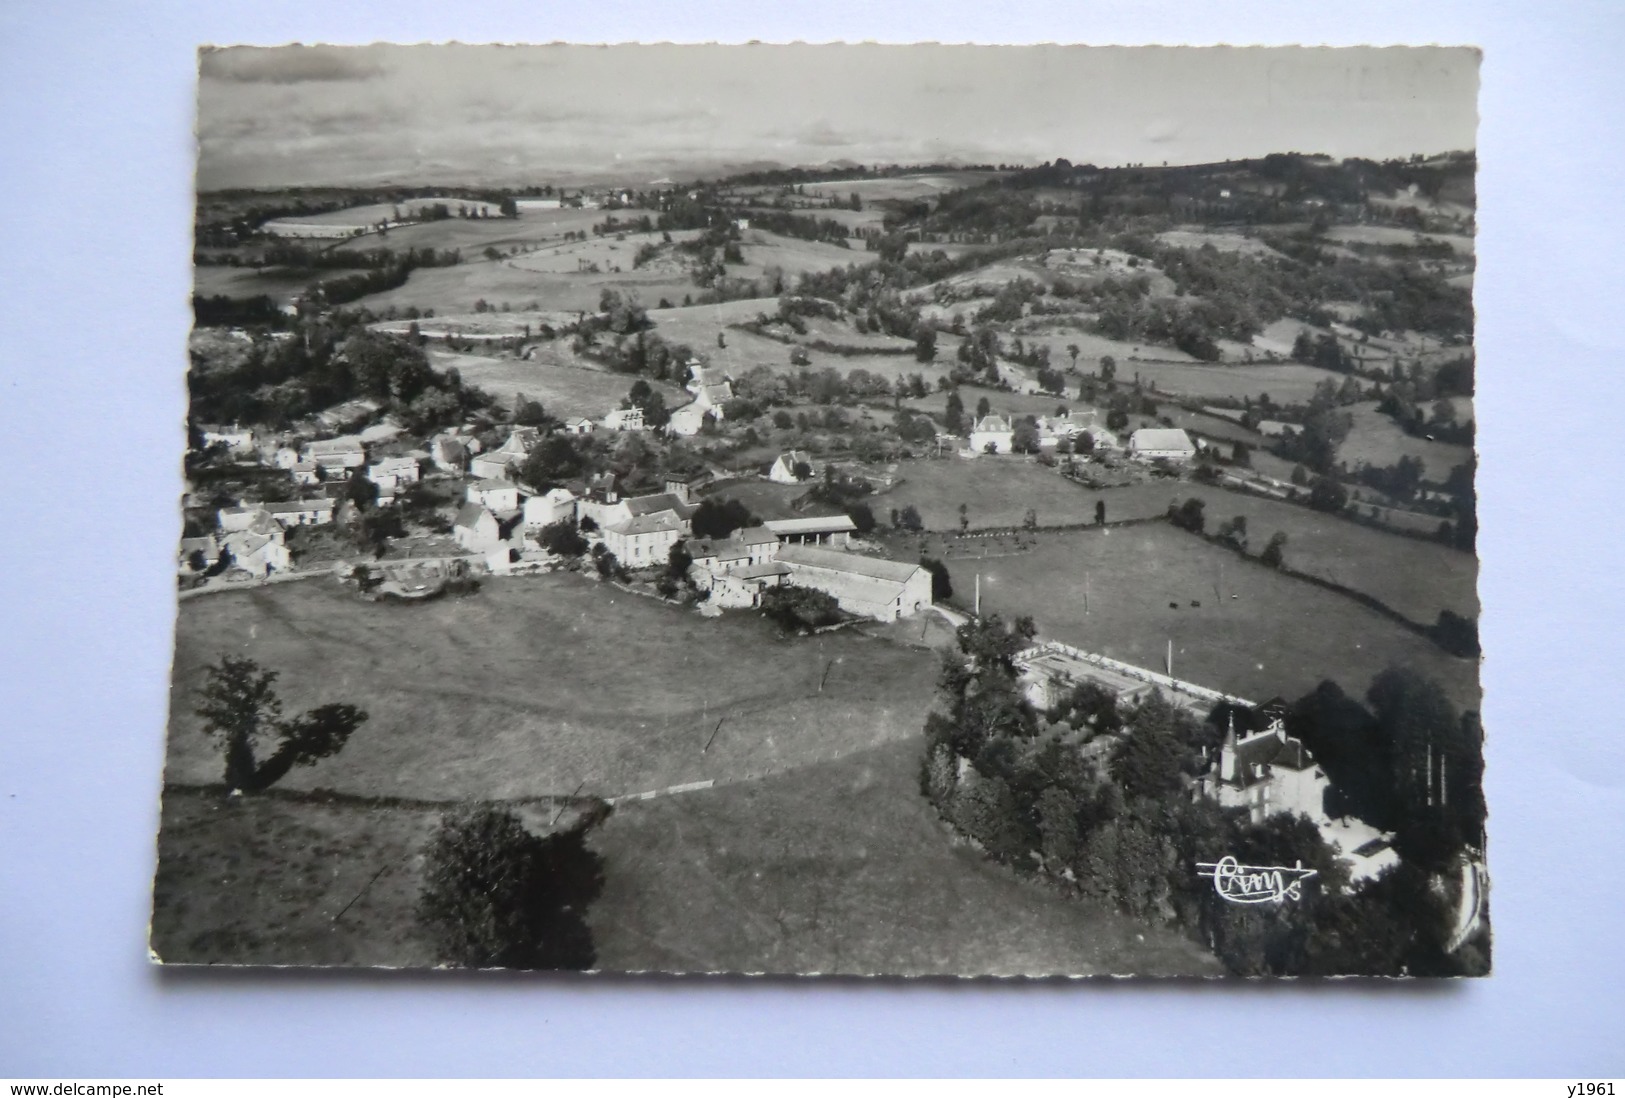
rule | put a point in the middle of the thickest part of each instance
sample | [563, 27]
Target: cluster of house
[1259, 767]
[995, 434]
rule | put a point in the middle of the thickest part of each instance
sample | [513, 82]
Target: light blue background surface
[95, 188]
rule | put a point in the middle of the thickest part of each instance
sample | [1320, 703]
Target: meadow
[1377, 440]
[364, 217]
[278, 283]
[997, 490]
[1128, 592]
[564, 390]
[843, 868]
[541, 685]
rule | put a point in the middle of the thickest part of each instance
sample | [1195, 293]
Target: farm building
[686, 487]
[616, 510]
[193, 550]
[523, 204]
[1170, 443]
[581, 425]
[306, 472]
[476, 529]
[743, 548]
[448, 454]
[496, 495]
[302, 512]
[645, 540]
[992, 435]
[833, 530]
[742, 587]
[337, 454]
[558, 505]
[784, 468]
[881, 589]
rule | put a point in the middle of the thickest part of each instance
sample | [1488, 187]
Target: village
[689, 490]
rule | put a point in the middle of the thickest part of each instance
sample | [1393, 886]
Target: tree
[1072, 349]
[1328, 495]
[239, 707]
[863, 518]
[954, 416]
[909, 519]
[1274, 553]
[562, 538]
[795, 607]
[1100, 512]
[802, 470]
[983, 408]
[942, 588]
[1147, 763]
[1189, 515]
[496, 896]
[1108, 368]
[678, 560]
[925, 343]
[717, 518]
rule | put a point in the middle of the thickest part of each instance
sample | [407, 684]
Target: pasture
[842, 867]
[505, 282]
[1222, 241]
[1377, 440]
[1285, 382]
[543, 685]
[899, 188]
[1047, 331]
[564, 390]
[277, 283]
[768, 500]
[365, 217]
[763, 250]
[530, 229]
[997, 491]
[1389, 234]
[1128, 592]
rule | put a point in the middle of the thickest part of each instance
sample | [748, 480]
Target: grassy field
[1110, 591]
[527, 230]
[838, 867]
[457, 289]
[1223, 241]
[768, 500]
[899, 188]
[997, 490]
[843, 868]
[363, 217]
[564, 390]
[278, 283]
[534, 686]
[1377, 439]
[792, 255]
[260, 880]
[1389, 234]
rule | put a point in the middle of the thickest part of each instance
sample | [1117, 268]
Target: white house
[302, 512]
[496, 495]
[689, 420]
[336, 454]
[494, 465]
[557, 505]
[256, 554]
[1171, 443]
[992, 434]
[535, 203]
[306, 472]
[581, 425]
[645, 540]
[614, 511]
[476, 529]
[236, 439]
[784, 467]
[390, 473]
[881, 589]
[745, 548]
[624, 419]
[448, 454]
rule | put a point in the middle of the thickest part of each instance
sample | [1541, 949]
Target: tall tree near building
[240, 708]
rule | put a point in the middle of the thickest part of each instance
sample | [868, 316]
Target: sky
[505, 115]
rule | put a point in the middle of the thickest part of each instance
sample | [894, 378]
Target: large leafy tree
[496, 896]
[240, 707]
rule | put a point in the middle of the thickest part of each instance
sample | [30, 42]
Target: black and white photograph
[829, 510]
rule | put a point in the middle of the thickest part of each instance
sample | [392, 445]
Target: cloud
[287, 65]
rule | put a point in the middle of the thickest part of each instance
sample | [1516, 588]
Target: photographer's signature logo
[1255, 884]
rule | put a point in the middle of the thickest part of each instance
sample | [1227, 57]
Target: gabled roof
[790, 457]
[647, 524]
[207, 544]
[828, 524]
[1161, 438]
[469, 515]
[494, 485]
[856, 564]
[1256, 754]
[756, 535]
[348, 445]
[654, 504]
[993, 424]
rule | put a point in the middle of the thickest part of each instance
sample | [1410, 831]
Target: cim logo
[1255, 884]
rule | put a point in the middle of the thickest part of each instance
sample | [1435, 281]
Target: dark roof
[1256, 754]
[470, 513]
[653, 505]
